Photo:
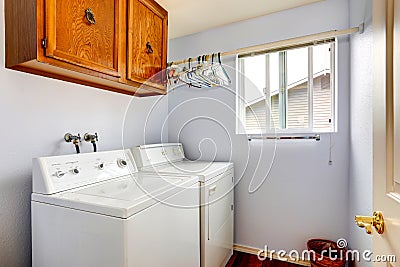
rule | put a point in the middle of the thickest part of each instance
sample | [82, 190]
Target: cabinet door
[84, 33]
[147, 43]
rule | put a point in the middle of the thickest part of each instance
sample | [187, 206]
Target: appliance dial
[101, 166]
[59, 174]
[122, 163]
[75, 171]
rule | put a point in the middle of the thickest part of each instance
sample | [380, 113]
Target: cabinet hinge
[44, 42]
[232, 207]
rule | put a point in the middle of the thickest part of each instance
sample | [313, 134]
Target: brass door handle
[376, 221]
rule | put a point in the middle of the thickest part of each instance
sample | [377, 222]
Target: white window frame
[241, 105]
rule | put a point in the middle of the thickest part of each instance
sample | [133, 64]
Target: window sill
[289, 132]
[316, 137]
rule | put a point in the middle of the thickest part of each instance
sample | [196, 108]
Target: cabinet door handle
[149, 48]
[90, 16]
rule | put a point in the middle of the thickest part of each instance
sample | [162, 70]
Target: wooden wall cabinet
[150, 30]
[117, 45]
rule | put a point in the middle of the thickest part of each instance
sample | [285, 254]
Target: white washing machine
[216, 187]
[96, 210]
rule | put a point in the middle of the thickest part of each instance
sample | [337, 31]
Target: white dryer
[216, 188]
[96, 210]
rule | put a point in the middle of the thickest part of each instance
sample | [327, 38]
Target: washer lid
[204, 169]
[122, 197]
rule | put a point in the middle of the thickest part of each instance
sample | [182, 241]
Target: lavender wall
[35, 113]
[303, 196]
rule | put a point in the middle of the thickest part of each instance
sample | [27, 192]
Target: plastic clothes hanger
[197, 74]
[221, 72]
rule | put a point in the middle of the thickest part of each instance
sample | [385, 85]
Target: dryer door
[219, 219]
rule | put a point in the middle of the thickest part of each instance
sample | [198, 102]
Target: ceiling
[191, 16]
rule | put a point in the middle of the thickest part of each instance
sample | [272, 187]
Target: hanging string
[365, 11]
[330, 162]
[367, 7]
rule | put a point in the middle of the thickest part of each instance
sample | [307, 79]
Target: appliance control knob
[59, 174]
[75, 171]
[101, 166]
[122, 163]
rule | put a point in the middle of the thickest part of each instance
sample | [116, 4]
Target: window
[290, 90]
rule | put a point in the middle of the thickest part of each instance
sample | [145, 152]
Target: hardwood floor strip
[241, 259]
[254, 251]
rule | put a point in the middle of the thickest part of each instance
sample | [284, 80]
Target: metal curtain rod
[316, 137]
[287, 42]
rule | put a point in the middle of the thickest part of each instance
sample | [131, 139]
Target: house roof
[290, 86]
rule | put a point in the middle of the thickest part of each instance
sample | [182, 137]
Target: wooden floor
[240, 259]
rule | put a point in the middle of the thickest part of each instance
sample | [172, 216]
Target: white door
[386, 130]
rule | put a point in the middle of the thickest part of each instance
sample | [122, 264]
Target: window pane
[297, 88]
[290, 90]
[322, 93]
[274, 88]
[255, 81]
[255, 76]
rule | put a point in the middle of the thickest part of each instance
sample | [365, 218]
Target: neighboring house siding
[297, 113]
[274, 111]
[256, 116]
[322, 102]
[297, 107]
